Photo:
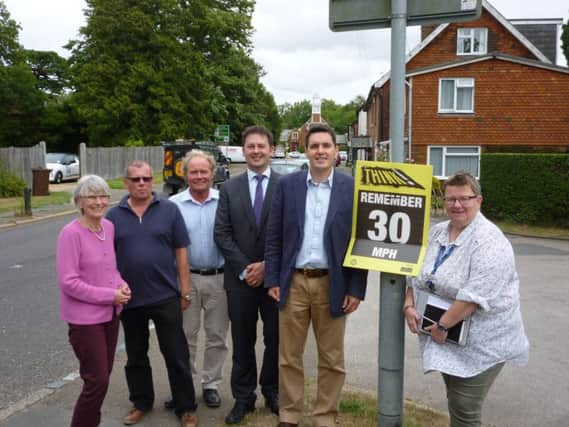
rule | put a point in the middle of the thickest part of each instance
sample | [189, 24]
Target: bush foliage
[10, 184]
[526, 188]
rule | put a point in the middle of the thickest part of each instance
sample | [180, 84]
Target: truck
[174, 153]
[233, 153]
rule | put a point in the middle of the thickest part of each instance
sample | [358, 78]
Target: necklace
[99, 234]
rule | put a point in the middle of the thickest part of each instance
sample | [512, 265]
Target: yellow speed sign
[390, 217]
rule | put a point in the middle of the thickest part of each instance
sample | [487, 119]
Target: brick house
[488, 85]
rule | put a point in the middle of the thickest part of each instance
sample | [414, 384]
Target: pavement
[522, 397]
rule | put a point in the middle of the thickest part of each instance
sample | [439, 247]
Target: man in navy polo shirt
[151, 245]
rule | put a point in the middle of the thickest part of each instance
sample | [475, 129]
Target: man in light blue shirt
[198, 205]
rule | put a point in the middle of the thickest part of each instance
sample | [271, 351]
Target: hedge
[526, 188]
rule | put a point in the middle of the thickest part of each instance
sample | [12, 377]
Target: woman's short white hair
[90, 184]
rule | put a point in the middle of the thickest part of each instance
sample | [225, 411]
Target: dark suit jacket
[236, 233]
[285, 232]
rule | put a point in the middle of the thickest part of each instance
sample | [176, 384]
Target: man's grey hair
[197, 153]
[90, 185]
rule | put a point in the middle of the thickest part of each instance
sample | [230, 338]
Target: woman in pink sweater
[91, 293]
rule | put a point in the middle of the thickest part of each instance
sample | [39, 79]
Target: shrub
[526, 188]
[10, 184]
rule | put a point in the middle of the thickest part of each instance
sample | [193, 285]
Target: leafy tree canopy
[160, 70]
[337, 116]
[21, 103]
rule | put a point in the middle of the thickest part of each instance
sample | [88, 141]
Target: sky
[292, 42]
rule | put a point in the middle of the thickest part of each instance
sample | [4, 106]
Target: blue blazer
[285, 232]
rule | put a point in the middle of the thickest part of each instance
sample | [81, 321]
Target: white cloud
[293, 43]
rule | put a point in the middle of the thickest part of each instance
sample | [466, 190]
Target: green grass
[357, 409]
[117, 183]
[534, 230]
[16, 204]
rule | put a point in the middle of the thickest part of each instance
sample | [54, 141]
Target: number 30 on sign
[390, 217]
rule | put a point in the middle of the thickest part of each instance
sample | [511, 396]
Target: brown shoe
[189, 419]
[133, 416]
[283, 424]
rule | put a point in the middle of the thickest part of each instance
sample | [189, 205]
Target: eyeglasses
[461, 200]
[139, 178]
[93, 197]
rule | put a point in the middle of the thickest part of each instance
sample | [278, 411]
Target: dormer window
[472, 41]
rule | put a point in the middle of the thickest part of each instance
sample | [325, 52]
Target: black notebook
[431, 307]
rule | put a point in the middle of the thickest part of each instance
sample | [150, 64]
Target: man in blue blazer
[307, 238]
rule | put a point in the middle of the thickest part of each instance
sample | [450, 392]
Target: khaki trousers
[308, 302]
[208, 296]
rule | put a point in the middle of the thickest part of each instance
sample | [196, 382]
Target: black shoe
[211, 398]
[273, 404]
[169, 404]
[238, 412]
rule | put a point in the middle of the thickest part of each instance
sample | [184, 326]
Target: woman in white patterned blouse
[469, 261]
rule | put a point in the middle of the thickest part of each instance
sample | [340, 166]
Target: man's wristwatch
[187, 297]
[442, 328]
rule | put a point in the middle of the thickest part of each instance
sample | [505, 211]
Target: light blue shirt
[253, 183]
[203, 253]
[312, 253]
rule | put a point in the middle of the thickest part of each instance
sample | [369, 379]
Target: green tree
[21, 103]
[221, 31]
[565, 41]
[136, 74]
[340, 117]
[295, 115]
[50, 70]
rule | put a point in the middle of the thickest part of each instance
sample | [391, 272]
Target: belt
[207, 271]
[312, 272]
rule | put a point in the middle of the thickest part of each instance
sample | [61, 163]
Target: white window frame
[472, 34]
[459, 82]
[446, 154]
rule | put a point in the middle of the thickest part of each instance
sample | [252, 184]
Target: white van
[233, 153]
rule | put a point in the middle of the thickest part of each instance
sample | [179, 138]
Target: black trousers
[245, 305]
[167, 319]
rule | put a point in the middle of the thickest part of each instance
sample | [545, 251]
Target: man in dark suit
[239, 232]
[307, 237]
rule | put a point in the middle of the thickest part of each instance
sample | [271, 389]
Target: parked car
[64, 167]
[293, 154]
[174, 152]
[343, 156]
[284, 167]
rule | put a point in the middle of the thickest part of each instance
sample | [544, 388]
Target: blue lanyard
[444, 253]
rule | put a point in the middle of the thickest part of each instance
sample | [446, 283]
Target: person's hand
[413, 319]
[436, 334]
[350, 304]
[122, 295]
[255, 274]
[184, 304]
[275, 293]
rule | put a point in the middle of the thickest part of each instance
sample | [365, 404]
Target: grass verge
[534, 230]
[357, 409]
[16, 204]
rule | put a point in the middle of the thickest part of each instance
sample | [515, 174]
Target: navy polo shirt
[145, 249]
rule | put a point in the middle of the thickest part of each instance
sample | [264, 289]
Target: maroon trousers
[94, 346]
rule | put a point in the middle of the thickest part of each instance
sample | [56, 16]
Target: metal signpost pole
[392, 286]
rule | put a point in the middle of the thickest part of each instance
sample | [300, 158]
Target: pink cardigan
[87, 274]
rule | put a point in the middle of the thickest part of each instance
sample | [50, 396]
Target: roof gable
[438, 30]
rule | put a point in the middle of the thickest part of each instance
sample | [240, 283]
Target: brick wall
[514, 105]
